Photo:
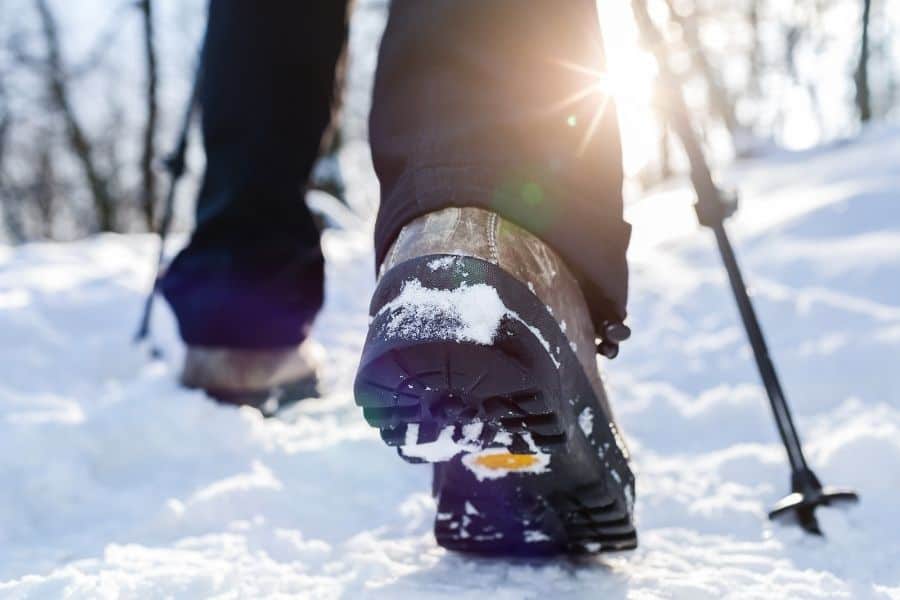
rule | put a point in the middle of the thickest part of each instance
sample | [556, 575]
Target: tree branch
[98, 184]
[719, 99]
[9, 201]
[148, 192]
[863, 96]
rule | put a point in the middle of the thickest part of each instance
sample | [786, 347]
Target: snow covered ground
[116, 483]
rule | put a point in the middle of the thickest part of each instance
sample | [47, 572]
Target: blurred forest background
[92, 94]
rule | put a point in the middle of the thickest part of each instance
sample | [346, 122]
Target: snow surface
[116, 483]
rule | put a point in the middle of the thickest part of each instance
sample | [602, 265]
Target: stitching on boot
[492, 239]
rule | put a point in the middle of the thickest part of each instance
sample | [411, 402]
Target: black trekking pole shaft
[780, 408]
[712, 210]
[175, 166]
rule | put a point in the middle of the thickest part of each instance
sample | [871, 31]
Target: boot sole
[525, 463]
[270, 402]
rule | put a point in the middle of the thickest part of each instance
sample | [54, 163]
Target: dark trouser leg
[252, 276]
[493, 104]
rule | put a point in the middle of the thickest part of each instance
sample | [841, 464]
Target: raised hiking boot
[481, 359]
[269, 379]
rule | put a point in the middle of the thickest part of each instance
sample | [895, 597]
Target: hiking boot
[481, 359]
[268, 379]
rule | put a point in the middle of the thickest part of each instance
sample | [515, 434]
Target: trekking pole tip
[807, 495]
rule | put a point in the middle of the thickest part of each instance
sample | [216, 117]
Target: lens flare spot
[507, 461]
[532, 194]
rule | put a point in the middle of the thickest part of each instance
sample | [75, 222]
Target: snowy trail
[116, 483]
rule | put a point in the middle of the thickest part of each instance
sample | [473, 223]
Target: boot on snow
[481, 359]
[269, 379]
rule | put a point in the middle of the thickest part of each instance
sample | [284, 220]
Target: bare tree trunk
[10, 203]
[665, 155]
[104, 204]
[660, 102]
[863, 96]
[756, 50]
[148, 153]
[720, 101]
[44, 193]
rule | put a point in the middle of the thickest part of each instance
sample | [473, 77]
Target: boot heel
[451, 366]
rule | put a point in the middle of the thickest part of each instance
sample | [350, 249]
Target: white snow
[468, 313]
[444, 262]
[586, 420]
[116, 483]
[443, 448]
[533, 536]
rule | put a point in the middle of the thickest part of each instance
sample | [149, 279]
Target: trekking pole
[713, 208]
[175, 167]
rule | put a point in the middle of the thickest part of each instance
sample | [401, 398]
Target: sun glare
[629, 80]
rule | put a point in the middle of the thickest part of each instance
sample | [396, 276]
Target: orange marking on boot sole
[507, 462]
